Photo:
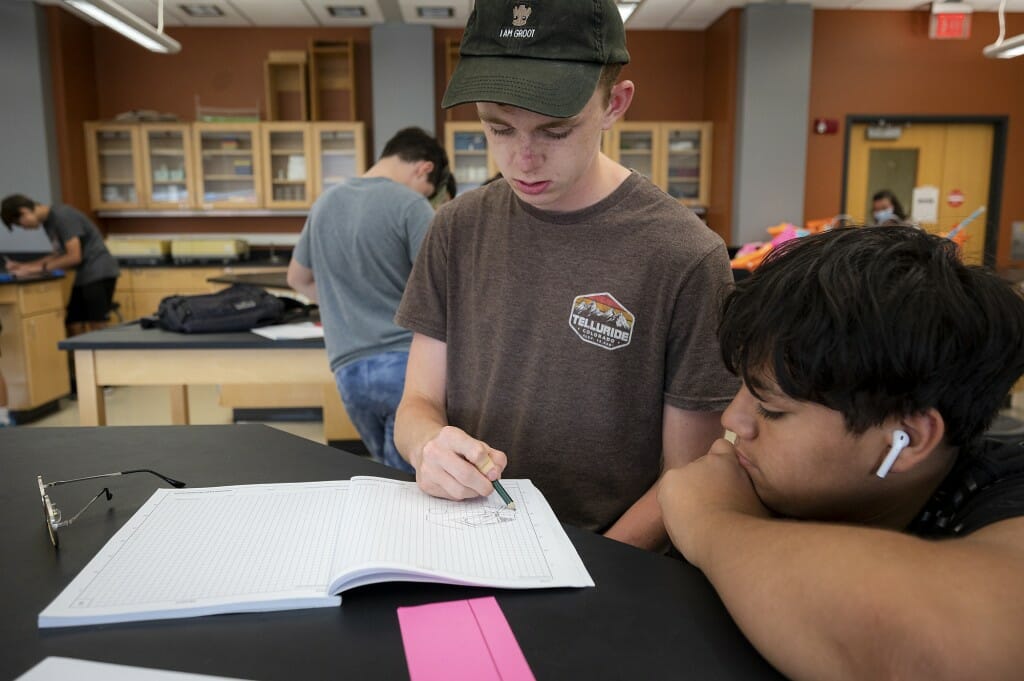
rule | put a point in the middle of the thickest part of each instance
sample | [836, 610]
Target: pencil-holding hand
[450, 465]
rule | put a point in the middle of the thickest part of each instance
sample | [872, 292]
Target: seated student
[886, 209]
[859, 527]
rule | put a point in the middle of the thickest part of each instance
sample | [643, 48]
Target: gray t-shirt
[360, 240]
[65, 223]
[567, 333]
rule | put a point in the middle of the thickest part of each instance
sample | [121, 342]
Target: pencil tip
[512, 506]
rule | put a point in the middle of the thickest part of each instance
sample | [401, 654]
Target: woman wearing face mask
[886, 208]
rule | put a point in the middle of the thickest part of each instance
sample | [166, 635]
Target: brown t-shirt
[567, 333]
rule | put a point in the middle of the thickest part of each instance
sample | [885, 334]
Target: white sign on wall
[924, 206]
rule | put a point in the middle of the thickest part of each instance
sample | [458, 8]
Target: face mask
[883, 215]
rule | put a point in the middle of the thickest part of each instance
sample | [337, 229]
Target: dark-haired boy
[565, 314]
[353, 258]
[859, 527]
[78, 245]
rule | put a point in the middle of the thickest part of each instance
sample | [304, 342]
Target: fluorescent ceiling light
[1004, 49]
[112, 15]
[347, 11]
[626, 9]
[1007, 49]
[202, 11]
[435, 13]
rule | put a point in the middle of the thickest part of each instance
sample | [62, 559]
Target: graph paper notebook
[254, 548]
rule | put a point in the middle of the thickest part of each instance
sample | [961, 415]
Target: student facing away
[564, 315]
[353, 258]
[860, 527]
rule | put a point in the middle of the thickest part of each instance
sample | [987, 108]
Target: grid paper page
[477, 541]
[194, 549]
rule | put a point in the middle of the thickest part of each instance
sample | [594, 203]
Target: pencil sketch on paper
[472, 513]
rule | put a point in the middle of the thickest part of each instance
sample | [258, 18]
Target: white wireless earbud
[899, 441]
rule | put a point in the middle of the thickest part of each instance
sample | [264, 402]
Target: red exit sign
[950, 21]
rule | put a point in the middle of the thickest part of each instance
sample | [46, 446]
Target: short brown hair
[609, 76]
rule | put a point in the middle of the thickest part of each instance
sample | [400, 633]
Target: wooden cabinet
[339, 153]
[676, 156]
[285, 86]
[286, 163]
[231, 166]
[113, 164]
[471, 163]
[141, 289]
[228, 164]
[332, 93]
[167, 166]
[36, 372]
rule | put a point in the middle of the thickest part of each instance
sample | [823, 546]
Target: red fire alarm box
[950, 21]
[825, 126]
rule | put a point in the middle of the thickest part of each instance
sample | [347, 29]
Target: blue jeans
[371, 389]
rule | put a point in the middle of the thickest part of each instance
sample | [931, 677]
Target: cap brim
[552, 88]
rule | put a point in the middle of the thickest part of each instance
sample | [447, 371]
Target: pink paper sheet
[461, 641]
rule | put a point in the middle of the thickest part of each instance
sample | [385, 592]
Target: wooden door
[287, 175]
[47, 367]
[167, 166]
[113, 167]
[956, 158]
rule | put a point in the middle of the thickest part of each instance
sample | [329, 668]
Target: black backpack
[239, 307]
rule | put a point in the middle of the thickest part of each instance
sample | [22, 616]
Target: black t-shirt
[985, 486]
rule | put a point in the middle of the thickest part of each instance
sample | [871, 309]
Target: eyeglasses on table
[55, 519]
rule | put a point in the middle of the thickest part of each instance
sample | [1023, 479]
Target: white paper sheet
[67, 668]
[297, 331]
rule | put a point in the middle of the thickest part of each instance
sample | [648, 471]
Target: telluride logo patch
[520, 15]
[601, 320]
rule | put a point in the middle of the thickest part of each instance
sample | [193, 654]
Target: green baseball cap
[545, 57]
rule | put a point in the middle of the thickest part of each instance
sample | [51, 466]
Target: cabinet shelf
[153, 168]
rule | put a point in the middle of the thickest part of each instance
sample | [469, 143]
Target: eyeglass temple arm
[65, 523]
[170, 481]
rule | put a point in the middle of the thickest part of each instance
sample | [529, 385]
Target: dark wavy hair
[877, 322]
[415, 144]
[10, 209]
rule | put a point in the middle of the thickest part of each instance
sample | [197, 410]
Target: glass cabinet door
[635, 148]
[113, 163]
[167, 162]
[338, 149]
[227, 165]
[287, 178]
[471, 163]
[684, 147]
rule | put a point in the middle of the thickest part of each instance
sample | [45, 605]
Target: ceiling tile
[652, 14]
[275, 12]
